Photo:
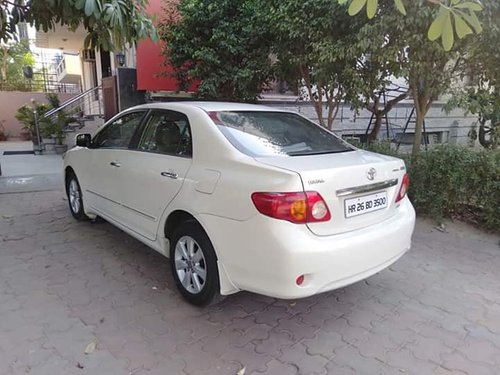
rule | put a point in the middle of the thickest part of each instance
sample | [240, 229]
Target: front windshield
[259, 134]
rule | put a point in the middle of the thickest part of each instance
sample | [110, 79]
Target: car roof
[210, 106]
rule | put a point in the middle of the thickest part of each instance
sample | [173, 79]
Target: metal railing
[87, 103]
[41, 83]
[76, 110]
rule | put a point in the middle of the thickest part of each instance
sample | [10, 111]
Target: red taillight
[298, 207]
[404, 187]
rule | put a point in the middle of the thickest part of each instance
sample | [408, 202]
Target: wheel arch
[174, 219]
[67, 172]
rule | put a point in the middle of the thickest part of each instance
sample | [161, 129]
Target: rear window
[260, 134]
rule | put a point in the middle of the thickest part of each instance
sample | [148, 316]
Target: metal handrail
[71, 101]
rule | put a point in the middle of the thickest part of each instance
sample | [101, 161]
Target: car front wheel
[75, 197]
[194, 264]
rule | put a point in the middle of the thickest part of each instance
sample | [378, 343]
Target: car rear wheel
[75, 200]
[194, 264]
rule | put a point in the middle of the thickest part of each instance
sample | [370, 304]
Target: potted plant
[51, 129]
[47, 130]
[26, 116]
[58, 124]
[3, 135]
[59, 134]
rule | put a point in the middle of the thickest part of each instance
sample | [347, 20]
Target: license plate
[367, 203]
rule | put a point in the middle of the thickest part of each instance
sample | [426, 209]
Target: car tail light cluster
[404, 187]
[297, 207]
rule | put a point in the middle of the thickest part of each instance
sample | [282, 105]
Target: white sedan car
[243, 197]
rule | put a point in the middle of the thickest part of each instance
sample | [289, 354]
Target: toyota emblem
[371, 173]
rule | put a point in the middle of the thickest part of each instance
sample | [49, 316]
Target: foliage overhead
[455, 17]
[224, 45]
[109, 23]
[13, 58]
[428, 68]
[313, 43]
[481, 95]
[381, 57]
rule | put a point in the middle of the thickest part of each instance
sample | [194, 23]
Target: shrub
[3, 135]
[451, 181]
[26, 116]
[381, 147]
[49, 127]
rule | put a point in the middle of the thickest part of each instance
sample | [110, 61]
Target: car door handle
[115, 164]
[170, 174]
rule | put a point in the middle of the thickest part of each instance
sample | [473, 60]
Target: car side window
[167, 132]
[119, 133]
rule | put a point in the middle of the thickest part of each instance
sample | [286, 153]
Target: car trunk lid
[359, 187]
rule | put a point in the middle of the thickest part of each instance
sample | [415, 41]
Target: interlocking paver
[275, 367]
[480, 351]
[349, 357]
[406, 362]
[65, 283]
[248, 358]
[457, 362]
[428, 349]
[274, 344]
[325, 344]
[306, 363]
[296, 328]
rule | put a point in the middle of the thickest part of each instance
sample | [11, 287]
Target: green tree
[481, 94]
[224, 45]
[380, 59]
[109, 23]
[14, 57]
[428, 68]
[313, 44]
[454, 17]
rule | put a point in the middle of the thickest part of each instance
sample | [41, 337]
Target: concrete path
[21, 173]
[67, 288]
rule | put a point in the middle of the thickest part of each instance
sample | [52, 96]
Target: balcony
[69, 69]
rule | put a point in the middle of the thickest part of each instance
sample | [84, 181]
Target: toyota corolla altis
[243, 197]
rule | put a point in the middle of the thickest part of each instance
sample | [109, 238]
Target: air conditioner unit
[88, 55]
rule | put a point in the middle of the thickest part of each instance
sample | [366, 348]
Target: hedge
[451, 181]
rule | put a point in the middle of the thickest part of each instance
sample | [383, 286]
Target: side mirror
[83, 140]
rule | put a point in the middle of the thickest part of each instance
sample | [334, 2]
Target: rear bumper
[266, 256]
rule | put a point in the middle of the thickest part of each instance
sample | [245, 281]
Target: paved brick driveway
[65, 284]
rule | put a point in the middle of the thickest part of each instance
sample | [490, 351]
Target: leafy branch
[454, 17]
[110, 24]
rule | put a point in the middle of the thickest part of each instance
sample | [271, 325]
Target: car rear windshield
[259, 133]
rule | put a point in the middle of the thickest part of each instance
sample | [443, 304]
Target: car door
[109, 148]
[155, 170]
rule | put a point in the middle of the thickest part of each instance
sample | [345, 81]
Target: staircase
[86, 113]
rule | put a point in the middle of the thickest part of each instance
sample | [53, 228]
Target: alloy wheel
[190, 264]
[74, 196]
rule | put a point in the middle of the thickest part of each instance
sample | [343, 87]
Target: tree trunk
[376, 129]
[3, 67]
[419, 125]
[317, 104]
[380, 113]
[333, 109]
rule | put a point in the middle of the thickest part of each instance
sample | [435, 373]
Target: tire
[194, 265]
[74, 193]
